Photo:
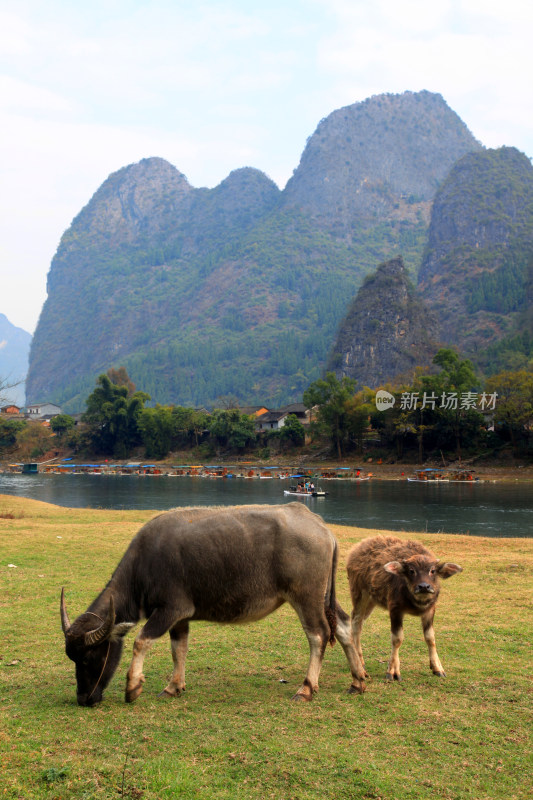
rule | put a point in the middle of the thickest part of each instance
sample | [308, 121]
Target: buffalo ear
[103, 632]
[446, 569]
[120, 630]
[394, 567]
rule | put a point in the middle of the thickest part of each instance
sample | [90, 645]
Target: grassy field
[236, 733]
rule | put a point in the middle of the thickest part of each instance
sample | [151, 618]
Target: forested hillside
[240, 289]
[475, 269]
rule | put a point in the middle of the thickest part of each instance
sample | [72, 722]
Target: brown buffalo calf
[403, 577]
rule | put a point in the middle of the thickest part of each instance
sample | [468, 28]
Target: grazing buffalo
[222, 565]
[403, 577]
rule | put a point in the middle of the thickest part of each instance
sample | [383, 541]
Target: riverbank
[496, 473]
[275, 468]
[235, 733]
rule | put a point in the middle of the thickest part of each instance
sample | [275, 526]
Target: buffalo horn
[104, 631]
[65, 622]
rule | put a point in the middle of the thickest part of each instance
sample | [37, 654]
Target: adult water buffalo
[222, 565]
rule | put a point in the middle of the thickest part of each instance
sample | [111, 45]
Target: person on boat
[311, 487]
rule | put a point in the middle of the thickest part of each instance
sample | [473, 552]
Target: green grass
[236, 733]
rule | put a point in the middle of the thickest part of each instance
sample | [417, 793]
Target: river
[480, 509]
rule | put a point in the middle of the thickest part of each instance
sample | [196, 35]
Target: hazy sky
[86, 88]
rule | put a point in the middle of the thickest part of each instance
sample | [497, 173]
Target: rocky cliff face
[381, 159]
[387, 332]
[480, 241]
[239, 289]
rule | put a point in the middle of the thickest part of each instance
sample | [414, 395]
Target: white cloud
[476, 54]
[14, 35]
[21, 96]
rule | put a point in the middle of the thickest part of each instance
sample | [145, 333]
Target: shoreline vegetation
[235, 733]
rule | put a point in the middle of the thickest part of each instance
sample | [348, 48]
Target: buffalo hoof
[393, 677]
[170, 692]
[299, 697]
[357, 688]
[133, 694]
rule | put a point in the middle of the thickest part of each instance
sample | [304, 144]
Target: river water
[480, 509]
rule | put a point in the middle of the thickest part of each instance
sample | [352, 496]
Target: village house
[10, 409]
[299, 410]
[274, 420]
[270, 421]
[42, 411]
[253, 411]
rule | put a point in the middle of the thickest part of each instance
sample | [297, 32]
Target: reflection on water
[482, 509]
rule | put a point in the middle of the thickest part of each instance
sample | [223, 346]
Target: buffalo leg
[317, 630]
[343, 634]
[135, 677]
[160, 621]
[429, 636]
[362, 608]
[179, 640]
[393, 670]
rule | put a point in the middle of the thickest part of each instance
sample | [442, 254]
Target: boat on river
[429, 476]
[293, 490]
[304, 488]
[459, 475]
[462, 476]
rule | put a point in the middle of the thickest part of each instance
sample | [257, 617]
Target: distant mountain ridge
[240, 289]
[14, 355]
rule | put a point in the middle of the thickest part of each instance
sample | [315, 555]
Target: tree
[33, 441]
[331, 396]
[513, 411]
[456, 374]
[119, 376]
[189, 425]
[292, 431]
[62, 424]
[227, 401]
[112, 417]
[5, 386]
[230, 429]
[9, 430]
[359, 411]
[448, 418]
[396, 425]
[156, 426]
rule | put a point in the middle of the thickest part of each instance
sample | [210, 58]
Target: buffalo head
[94, 643]
[421, 576]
